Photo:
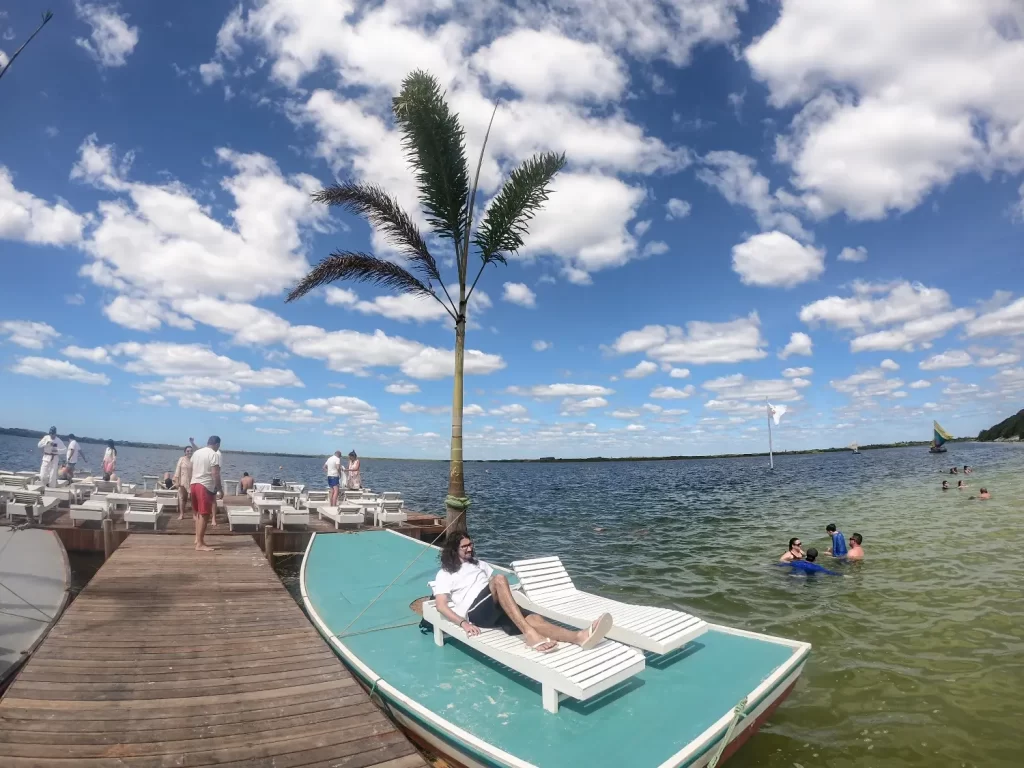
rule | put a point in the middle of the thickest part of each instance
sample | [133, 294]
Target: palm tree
[47, 15]
[434, 142]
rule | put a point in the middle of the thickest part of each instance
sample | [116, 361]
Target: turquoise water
[918, 655]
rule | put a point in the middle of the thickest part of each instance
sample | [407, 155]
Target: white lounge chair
[567, 671]
[243, 516]
[142, 511]
[343, 514]
[18, 503]
[291, 516]
[167, 493]
[316, 499]
[547, 589]
[389, 512]
[392, 496]
[92, 509]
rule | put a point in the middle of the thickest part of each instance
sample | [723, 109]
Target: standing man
[52, 447]
[206, 487]
[183, 479]
[333, 469]
[73, 456]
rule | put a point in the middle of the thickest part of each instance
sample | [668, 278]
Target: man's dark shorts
[486, 613]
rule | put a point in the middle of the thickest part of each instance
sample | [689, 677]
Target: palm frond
[435, 145]
[507, 219]
[360, 268]
[375, 205]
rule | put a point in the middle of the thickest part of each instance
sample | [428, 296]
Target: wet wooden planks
[172, 657]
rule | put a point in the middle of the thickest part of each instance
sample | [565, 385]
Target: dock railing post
[108, 538]
[268, 543]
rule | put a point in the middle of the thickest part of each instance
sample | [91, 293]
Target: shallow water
[918, 655]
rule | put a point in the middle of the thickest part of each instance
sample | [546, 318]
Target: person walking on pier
[333, 468]
[206, 487]
[74, 455]
[52, 447]
[183, 479]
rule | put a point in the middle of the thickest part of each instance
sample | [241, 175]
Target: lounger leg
[438, 636]
[550, 698]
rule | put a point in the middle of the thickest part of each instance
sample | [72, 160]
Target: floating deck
[175, 657]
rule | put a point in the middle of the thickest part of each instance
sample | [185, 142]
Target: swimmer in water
[808, 565]
[953, 471]
[856, 550]
[945, 485]
[983, 494]
[795, 551]
[967, 470]
[960, 485]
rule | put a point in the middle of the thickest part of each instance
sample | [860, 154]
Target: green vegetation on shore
[1008, 429]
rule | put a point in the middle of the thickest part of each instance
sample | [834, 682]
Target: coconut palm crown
[434, 142]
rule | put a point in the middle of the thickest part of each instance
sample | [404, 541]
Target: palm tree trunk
[457, 502]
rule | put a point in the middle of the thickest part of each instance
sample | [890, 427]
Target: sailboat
[854, 448]
[939, 438]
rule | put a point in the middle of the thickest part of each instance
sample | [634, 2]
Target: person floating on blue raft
[807, 565]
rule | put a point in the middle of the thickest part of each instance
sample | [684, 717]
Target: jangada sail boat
[484, 702]
[854, 448]
[940, 437]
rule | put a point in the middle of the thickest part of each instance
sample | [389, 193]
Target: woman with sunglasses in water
[795, 551]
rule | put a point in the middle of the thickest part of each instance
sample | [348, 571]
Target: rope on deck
[737, 715]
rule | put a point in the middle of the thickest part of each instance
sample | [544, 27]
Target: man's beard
[471, 559]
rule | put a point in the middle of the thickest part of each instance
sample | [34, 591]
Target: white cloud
[542, 64]
[472, 410]
[701, 342]
[641, 227]
[625, 414]
[436, 410]
[541, 346]
[735, 177]
[28, 333]
[143, 314]
[739, 387]
[677, 209]
[402, 388]
[512, 409]
[998, 359]
[345, 406]
[775, 259]
[434, 363]
[48, 368]
[272, 430]
[403, 307]
[679, 373]
[74, 299]
[671, 393]
[519, 293]
[26, 218]
[793, 373]
[889, 365]
[1003, 321]
[953, 358]
[635, 428]
[111, 40]
[897, 99]
[920, 384]
[562, 390]
[867, 384]
[860, 253]
[3, 59]
[211, 72]
[640, 370]
[98, 355]
[799, 344]
[571, 406]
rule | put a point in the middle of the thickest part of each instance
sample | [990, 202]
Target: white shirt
[51, 446]
[203, 462]
[463, 586]
[333, 466]
[74, 452]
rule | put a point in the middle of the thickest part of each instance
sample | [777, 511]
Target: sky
[821, 205]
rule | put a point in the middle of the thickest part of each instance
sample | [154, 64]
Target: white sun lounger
[547, 589]
[243, 516]
[343, 514]
[389, 512]
[19, 501]
[291, 516]
[89, 510]
[568, 671]
[142, 511]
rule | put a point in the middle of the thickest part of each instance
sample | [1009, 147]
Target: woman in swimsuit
[795, 551]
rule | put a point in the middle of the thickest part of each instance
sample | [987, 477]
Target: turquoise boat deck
[642, 722]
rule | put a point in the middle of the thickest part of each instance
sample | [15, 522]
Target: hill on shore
[1008, 429]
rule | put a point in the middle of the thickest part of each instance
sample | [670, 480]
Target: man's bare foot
[203, 548]
[538, 642]
[181, 517]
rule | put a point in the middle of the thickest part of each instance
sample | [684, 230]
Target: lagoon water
[918, 655]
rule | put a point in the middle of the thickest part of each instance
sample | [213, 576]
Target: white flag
[776, 412]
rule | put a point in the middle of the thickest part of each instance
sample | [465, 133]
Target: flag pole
[768, 411]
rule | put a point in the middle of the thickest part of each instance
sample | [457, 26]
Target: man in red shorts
[206, 488]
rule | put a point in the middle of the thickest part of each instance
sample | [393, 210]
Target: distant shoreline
[36, 434]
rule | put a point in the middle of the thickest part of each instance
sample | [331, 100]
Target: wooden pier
[172, 657]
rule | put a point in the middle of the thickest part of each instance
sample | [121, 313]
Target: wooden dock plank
[175, 657]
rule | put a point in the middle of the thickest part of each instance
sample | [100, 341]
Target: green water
[918, 655]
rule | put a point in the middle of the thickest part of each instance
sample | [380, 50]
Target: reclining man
[471, 595]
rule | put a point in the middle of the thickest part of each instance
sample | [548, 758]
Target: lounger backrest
[273, 495]
[391, 506]
[543, 577]
[14, 481]
[26, 498]
[142, 505]
[106, 486]
[317, 496]
[392, 496]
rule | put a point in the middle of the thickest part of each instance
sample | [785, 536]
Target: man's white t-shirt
[463, 586]
[203, 462]
[333, 466]
[74, 452]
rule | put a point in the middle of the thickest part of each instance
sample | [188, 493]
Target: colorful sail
[941, 435]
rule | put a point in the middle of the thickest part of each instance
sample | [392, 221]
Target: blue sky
[761, 200]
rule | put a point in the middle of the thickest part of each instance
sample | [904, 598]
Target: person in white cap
[53, 448]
